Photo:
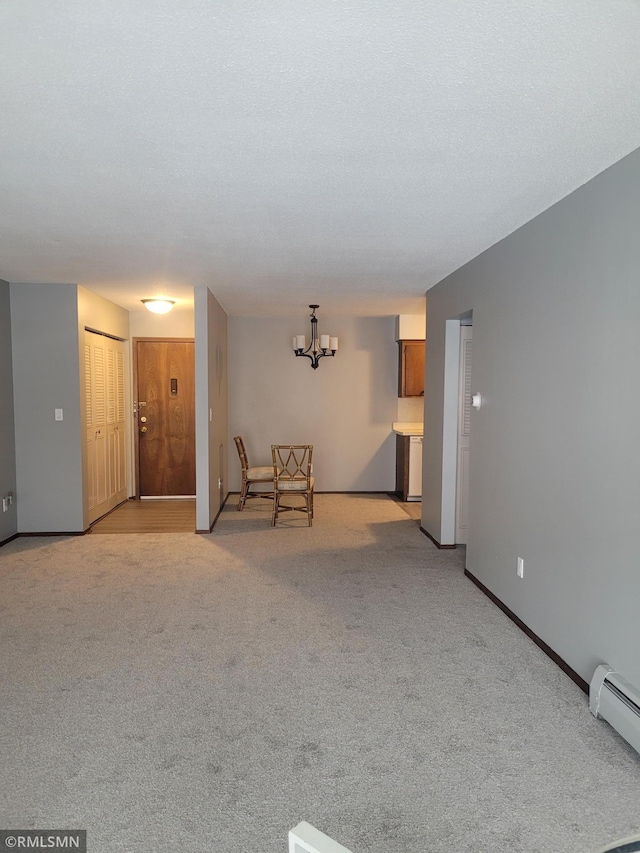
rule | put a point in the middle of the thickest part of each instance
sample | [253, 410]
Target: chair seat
[294, 485]
[260, 473]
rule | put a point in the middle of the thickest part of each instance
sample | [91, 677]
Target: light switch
[58, 414]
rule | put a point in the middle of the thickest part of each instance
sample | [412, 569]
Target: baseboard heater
[617, 702]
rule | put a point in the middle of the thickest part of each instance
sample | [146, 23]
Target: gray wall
[345, 408]
[9, 519]
[212, 407]
[44, 328]
[46, 320]
[555, 473]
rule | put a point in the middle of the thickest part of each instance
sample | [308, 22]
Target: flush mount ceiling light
[159, 305]
[320, 346]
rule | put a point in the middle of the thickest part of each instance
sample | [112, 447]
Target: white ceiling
[346, 152]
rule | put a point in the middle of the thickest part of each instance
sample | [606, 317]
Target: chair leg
[309, 497]
[243, 495]
[274, 513]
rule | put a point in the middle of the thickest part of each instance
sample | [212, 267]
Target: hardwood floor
[150, 516]
[412, 508]
[177, 516]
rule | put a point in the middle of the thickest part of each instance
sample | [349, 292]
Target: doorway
[464, 429]
[164, 417]
[451, 419]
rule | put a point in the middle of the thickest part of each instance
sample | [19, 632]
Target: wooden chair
[292, 478]
[251, 476]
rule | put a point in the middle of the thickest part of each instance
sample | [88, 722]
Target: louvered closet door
[90, 484]
[105, 433]
[100, 425]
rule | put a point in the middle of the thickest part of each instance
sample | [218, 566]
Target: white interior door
[415, 468]
[105, 423]
[464, 425]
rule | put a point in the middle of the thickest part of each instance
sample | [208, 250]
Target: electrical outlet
[10, 498]
[520, 569]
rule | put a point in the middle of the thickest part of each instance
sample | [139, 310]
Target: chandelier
[320, 346]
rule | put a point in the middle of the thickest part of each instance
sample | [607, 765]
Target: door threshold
[167, 497]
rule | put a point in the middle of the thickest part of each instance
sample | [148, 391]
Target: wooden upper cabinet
[411, 368]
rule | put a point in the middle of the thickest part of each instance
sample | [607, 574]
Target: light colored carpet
[205, 693]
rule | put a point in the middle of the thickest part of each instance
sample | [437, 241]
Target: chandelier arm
[315, 358]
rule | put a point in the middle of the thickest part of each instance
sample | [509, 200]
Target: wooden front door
[165, 415]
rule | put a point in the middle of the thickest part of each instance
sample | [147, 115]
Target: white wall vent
[305, 838]
[617, 702]
[625, 845]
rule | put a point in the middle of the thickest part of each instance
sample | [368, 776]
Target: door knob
[143, 420]
[143, 429]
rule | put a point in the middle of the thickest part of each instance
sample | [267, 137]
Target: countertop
[408, 428]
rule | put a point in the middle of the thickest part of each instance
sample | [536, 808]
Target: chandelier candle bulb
[334, 344]
[324, 341]
[300, 341]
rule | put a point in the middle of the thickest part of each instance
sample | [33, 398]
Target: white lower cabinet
[415, 468]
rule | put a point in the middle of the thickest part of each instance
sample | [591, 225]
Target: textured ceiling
[350, 153]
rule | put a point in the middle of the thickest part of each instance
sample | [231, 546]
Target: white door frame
[450, 432]
[464, 411]
[450, 428]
